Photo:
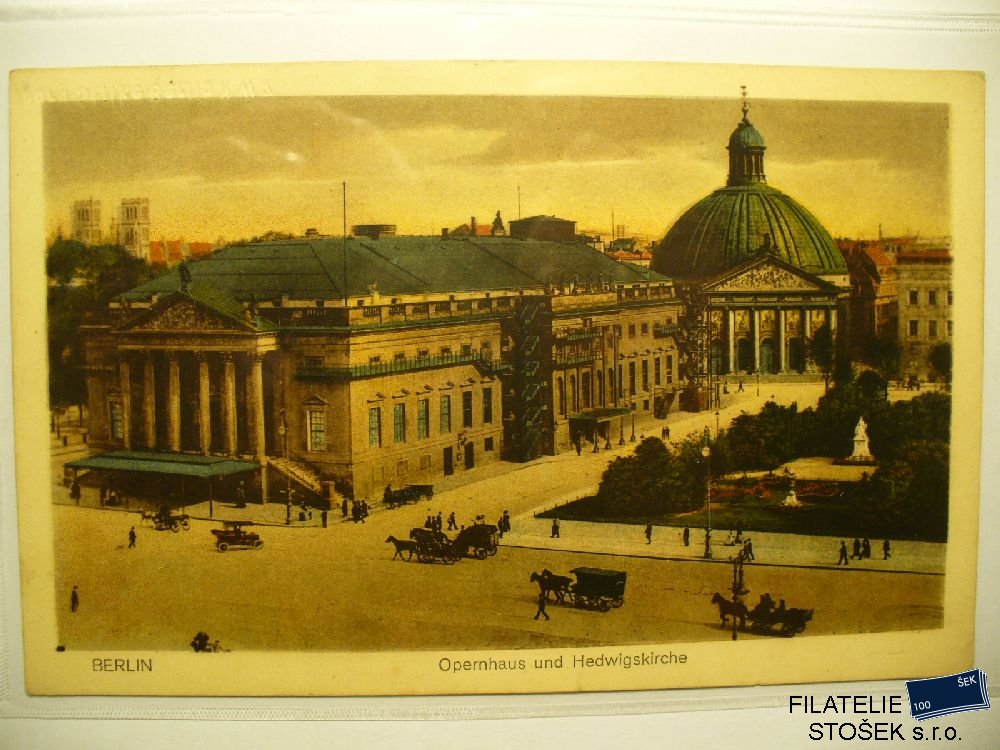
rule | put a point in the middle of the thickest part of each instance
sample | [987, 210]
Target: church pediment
[182, 315]
[767, 276]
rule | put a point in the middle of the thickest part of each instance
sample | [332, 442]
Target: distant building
[371, 231]
[133, 226]
[548, 228]
[874, 302]
[923, 278]
[87, 221]
[172, 252]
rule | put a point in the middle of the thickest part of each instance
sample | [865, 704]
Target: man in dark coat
[541, 607]
[843, 553]
[131, 537]
[886, 550]
[687, 537]
[649, 533]
[857, 549]
[555, 528]
[74, 600]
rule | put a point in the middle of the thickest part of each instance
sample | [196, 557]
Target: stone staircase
[298, 473]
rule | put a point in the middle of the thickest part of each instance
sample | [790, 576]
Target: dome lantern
[746, 151]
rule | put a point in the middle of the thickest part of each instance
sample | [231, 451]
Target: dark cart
[434, 545]
[233, 534]
[598, 589]
[411, 493]
[767, 619]
[165, 520]
[480, 540]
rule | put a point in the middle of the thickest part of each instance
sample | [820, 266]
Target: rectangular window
[949, 328]
[314, 362]
[631, 377]
[467, 409]
[631, 330]
[932, 329]
[116, 420]
[670, 368]
[399, 423]
[914, 297]
[656, 371]
[645, 374]
[316, 419]
[621, 382]
[914, 327]
[487, 406]
[375, 427]
[425, 462]
[488, 444]
[932, 297]
[951, 297]
[399, 357]
[423, 418]
[374, 360]
[445, 415]
[402, 467]
[466, 350]
[645, 329]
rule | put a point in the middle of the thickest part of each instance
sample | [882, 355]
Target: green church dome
[744, 219]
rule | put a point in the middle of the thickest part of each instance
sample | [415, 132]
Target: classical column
[174, 402]
[756, 339]
[149, 400]
[781, 340]
[229, 401]
[204, 405]
[257, 400]
[125, 379]
[731, 337]
[832, 317]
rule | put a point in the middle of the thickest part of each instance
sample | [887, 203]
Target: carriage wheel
[185, 524]
[604, 605]
[258, 544]
[222, 546]
[480, 554]
[491, 551]
[617, 601]
[175, 527]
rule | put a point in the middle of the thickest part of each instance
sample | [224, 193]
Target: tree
[822, 352]
[884, 354]
[940, 359]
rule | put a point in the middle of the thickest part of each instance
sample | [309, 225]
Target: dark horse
[550, 582]
[402, 545]
[728, 609]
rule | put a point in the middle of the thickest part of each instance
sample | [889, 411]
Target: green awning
[599, 415]
[176, 464]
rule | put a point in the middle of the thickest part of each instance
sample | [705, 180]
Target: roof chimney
[472, 226]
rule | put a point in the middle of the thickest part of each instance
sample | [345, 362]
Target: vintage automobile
[233, 534]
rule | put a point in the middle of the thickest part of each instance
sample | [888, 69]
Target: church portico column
[782, 366]
[174, 401]
[756, 339]
[149, 400]
[229, 402]
[125, 383]
[257, 404]
[831, 316]
[204, 405]
[731, 338]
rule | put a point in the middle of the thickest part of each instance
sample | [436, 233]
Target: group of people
[359, 510]
[862, 550]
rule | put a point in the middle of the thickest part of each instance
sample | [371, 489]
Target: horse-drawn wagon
[480, 540]
[765, 618]
[598, 589]
[164, 520]
[411, 493]
[434, 545]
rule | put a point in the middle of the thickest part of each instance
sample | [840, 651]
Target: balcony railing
[375, 369]
[665, 331]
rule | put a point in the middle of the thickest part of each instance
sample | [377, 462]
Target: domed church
[761, 273]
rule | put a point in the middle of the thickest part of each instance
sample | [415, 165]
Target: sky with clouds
[235, 168]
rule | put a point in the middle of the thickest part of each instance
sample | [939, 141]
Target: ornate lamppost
[706, 453]
[738, 588]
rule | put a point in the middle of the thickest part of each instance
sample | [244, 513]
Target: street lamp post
[632, 436]
[739, 589]
[716, 424]
[706, 453]
[283, 432]
[757, 373]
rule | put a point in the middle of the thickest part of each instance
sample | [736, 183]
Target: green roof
[176, 464]
[315, 268]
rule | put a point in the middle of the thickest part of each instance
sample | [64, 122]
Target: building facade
[133, 226]
[926, 299]
[353, 364]
[87, 221]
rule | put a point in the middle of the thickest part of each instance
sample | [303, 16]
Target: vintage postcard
[451, 378]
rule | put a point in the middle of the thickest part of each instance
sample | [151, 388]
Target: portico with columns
[762, 315]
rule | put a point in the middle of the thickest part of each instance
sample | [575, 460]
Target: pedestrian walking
[74, 491]
[579, 447]
[541, 607]
[748, 550]
[687, 537]
[649, 533]
[241, 495]
[343, 508]
[886, 550]
[555, 528]
[740, 389]
[506, 521]
[74, 600]
[131, 537]
[843, 553]
[857, 549]
[438, 522]
[452, 524]
[322, 517]
[866, 548]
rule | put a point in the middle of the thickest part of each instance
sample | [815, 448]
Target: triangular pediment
[766, 275]
[183, 314]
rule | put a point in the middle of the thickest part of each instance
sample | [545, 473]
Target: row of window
[932, 328]
[314, 361]
[913, 297]
[399, 420]
[591, 393]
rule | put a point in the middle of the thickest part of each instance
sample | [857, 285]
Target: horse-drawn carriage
[434, 545]
[164, 520]
[594, 588]
[234, 535]
[480, 541]
[411, 493]
[765, 618]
